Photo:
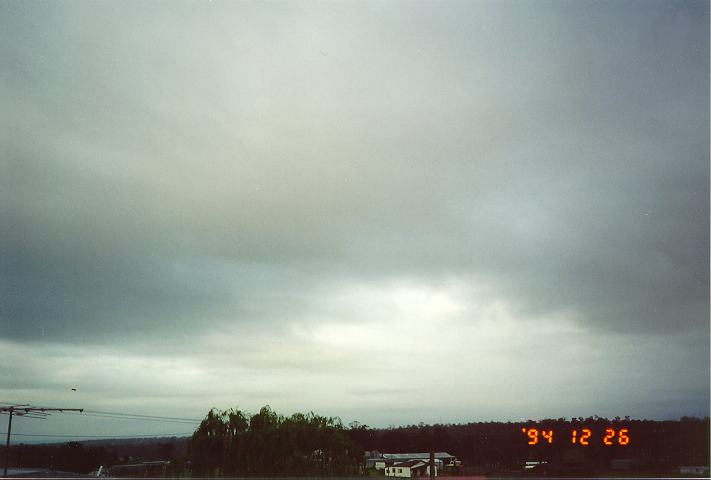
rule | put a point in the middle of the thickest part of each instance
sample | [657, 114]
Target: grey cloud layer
[169, 170]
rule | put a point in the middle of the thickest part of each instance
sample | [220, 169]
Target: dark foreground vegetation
[87, 456]
[233, 443]
[266, 444]
[655, 447]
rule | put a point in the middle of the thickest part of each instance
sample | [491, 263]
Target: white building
[535, 467]
[379, 461]
[694, 470]
[409, 469]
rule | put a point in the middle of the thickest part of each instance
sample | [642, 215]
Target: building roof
[414, 456]
[410, 463]
[44, 473]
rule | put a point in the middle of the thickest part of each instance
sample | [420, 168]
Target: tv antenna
[29, 411]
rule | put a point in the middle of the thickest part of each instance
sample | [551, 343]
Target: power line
[30, 411]
[143, 416]
[133, 416]
[142, 419]
[137, 417]
[100, 436]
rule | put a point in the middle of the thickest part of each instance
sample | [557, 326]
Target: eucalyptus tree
[234, 443]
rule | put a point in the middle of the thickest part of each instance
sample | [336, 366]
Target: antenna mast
[28, 411]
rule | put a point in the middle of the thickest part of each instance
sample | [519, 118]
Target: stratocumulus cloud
[332, 206]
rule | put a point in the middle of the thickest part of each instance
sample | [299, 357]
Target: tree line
[68, 457]
[234, 443]
[503, 447]
[266, 444]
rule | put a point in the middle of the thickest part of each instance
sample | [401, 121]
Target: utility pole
[7, 442]
[28, 411]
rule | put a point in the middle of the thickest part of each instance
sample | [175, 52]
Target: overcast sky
[392, 212]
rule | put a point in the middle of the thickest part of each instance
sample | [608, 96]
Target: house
[409, 469]
[380, 464]
[383, 460]
[143, 469]
[535, 467]
[694, 470]
[625, 464]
